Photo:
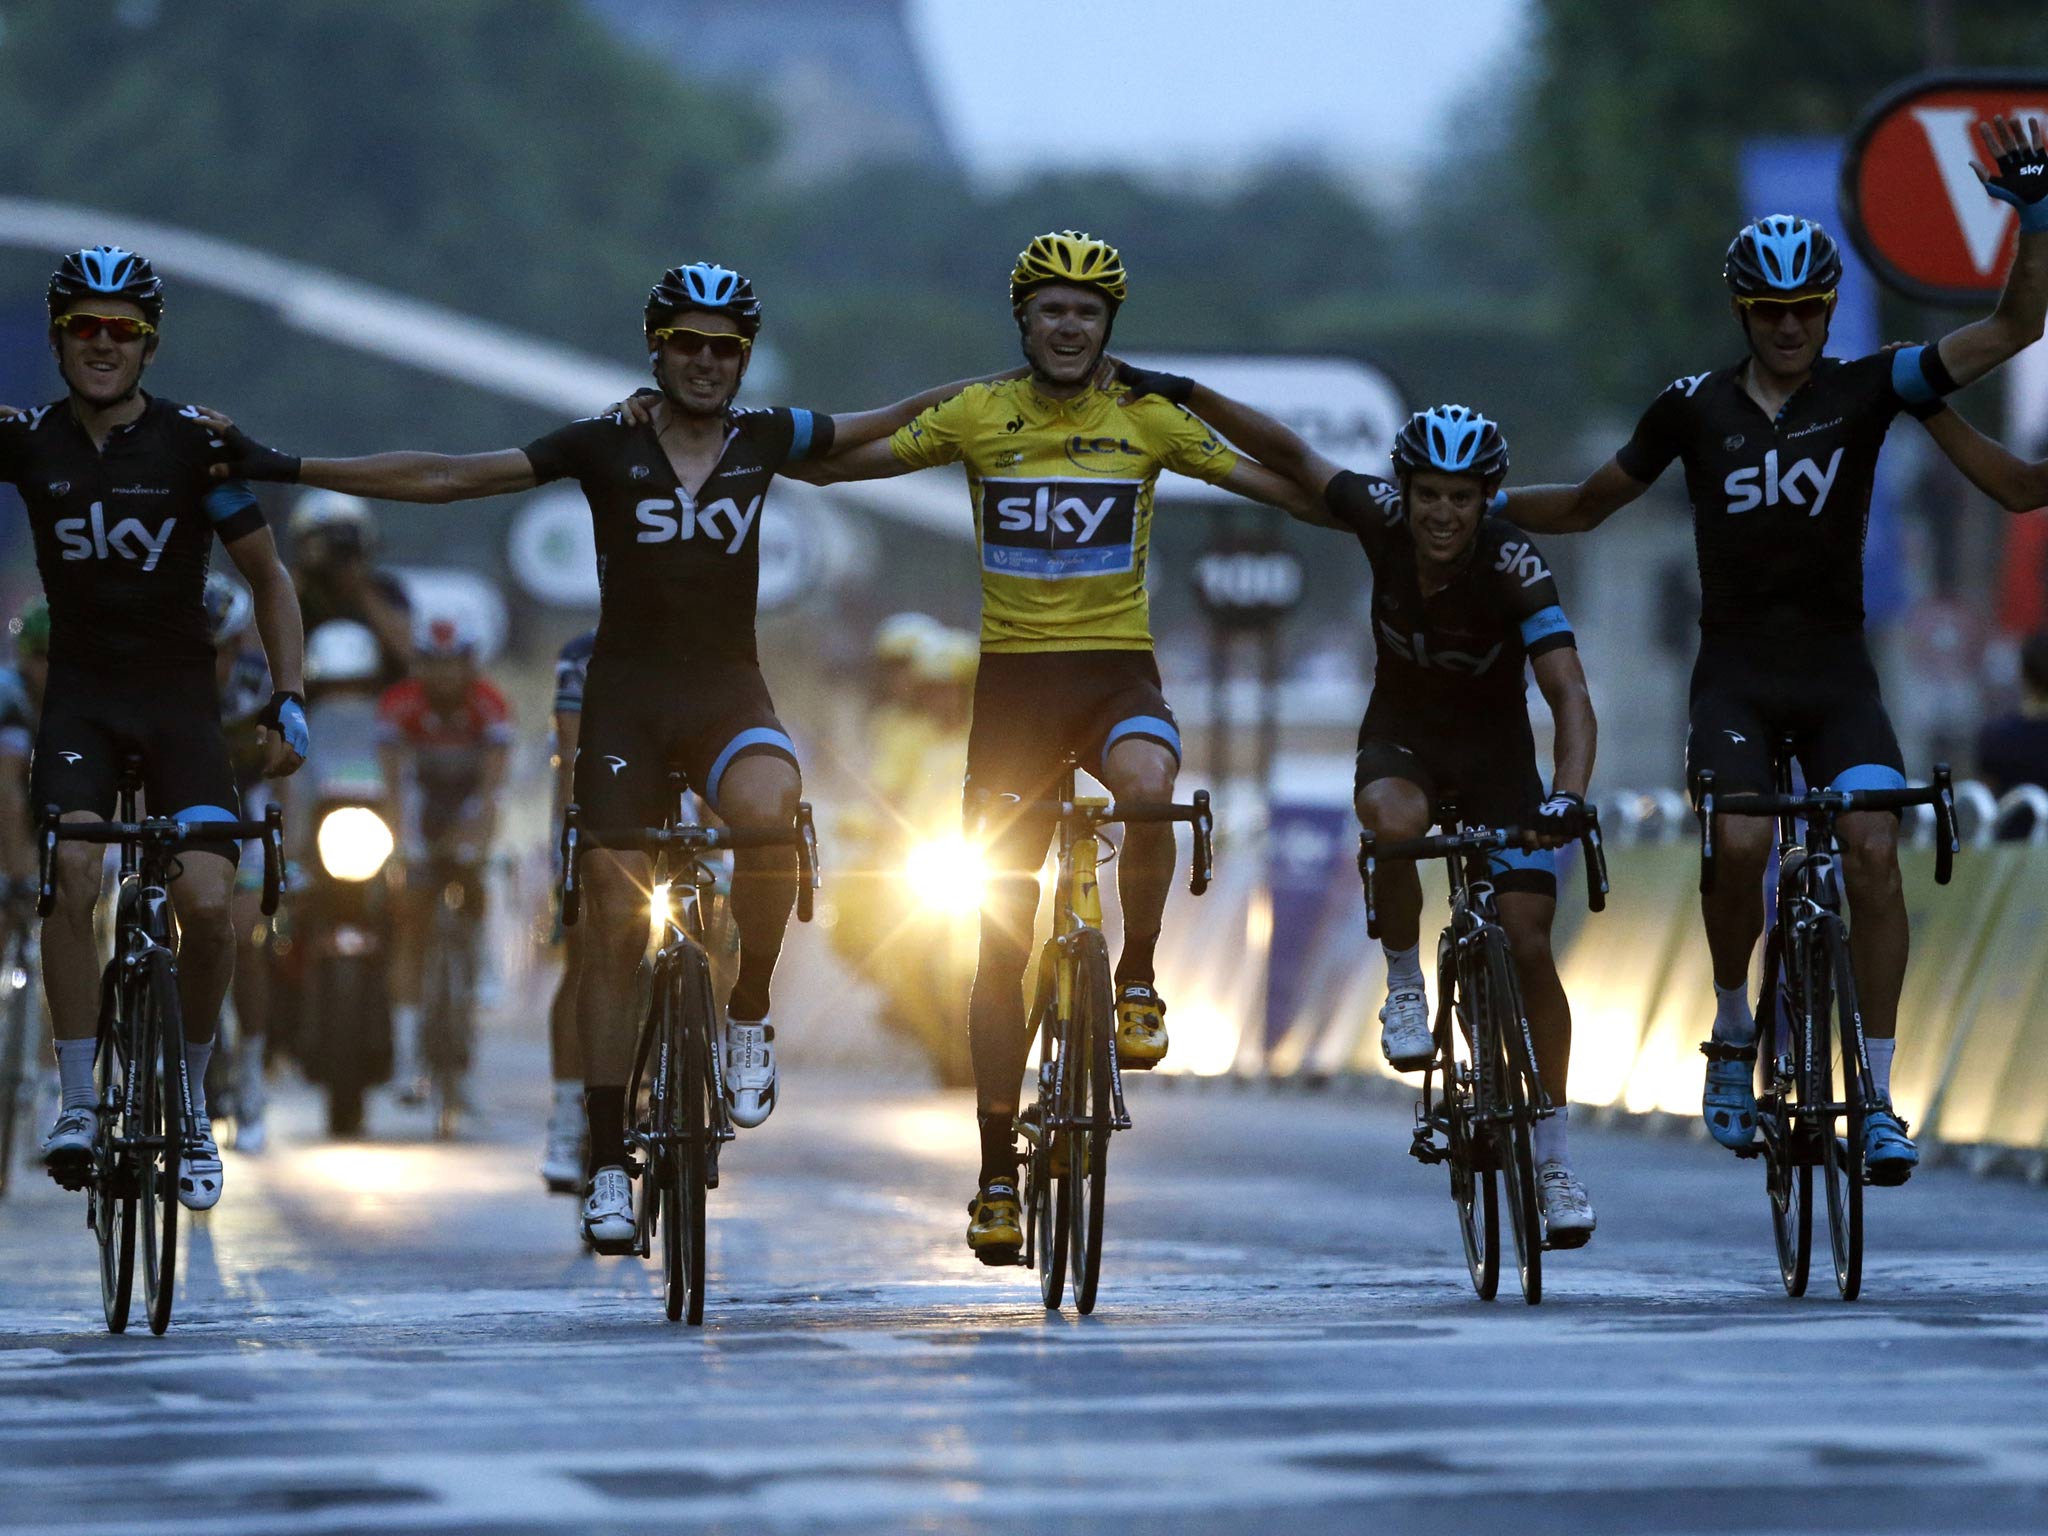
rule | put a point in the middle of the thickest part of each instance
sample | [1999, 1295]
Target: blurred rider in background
[333, 541]
[21, 705]
[444, 737]
[568, 1134]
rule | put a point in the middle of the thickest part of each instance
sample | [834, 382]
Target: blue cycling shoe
[1889, 1156]
[1729, 1104]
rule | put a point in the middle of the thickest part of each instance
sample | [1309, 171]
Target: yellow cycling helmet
[1068, 256]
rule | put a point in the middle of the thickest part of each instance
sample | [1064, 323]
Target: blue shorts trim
[1542, 860]
[206, 813]
[1869, 776]
[1151, 726]
[757, 736]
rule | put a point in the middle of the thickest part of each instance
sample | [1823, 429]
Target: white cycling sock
[1880, 1052]
[1548, 1139]
[1734, 1024]
[1404, 967]
[405, 1030]
[74, 1071]
[197, 1054]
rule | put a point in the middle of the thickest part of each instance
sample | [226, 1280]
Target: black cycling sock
[1134, 965]
[606, 1109]
[998, 1147]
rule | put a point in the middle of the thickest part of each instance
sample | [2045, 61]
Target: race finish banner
[1913, 206]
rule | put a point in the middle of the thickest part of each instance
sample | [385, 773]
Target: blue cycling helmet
[705, 286]
[107, 271]
[1454, 439]
[1781, 256]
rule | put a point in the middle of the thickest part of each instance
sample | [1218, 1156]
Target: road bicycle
[676, 1118]
[1490, 1095]
[1809, 1022]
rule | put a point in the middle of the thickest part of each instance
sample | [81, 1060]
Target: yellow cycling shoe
[995, 1223]
[1140, 1028]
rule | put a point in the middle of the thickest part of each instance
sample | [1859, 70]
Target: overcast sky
[1169, 85]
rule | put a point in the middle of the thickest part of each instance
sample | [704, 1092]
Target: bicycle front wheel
[690, 1124]
[1475, 1187]
[160, 1129]
[1514, 1111]
[1841, 1158]
[1788, 1178]
[1091, 1107]
[16, 1023]
[112, 1194]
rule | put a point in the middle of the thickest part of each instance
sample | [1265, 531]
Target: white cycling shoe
[608, 1223]
[67, 1150]
[1568, 1218]
[1405, 1035]
[750, 1085]
[199, 1170]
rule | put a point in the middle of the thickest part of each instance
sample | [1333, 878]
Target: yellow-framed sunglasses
[687, 340]
[85, 325]
[1806, 307]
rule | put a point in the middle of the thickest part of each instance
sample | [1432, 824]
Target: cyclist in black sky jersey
[124, 513]
[674, 676]
[1780, 451]
[1462, 607]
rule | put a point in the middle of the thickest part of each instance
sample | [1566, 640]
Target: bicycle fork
[1086, 909]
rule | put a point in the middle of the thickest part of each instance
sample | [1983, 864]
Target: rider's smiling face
[1786, 339]
[1065, 328]
[102, 371]
[1443, 514]
[691, 374]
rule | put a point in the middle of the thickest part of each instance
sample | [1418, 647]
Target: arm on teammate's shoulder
[1993, 468]
[854, 429]
[424, 477]
[1254, 481]
[1562, 679]
[1272, 443]
[1573, 508]
[280, 624]
[870, 461]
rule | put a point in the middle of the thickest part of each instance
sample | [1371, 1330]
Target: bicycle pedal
[1001, 1256]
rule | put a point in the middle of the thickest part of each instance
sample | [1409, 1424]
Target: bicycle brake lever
[1946, 840]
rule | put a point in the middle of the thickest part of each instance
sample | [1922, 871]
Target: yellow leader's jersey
[1062, 495]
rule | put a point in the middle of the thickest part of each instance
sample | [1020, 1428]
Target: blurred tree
[1631, 125]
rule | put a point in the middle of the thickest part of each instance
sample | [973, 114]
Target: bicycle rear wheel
[1090, 1104]
[1474, 1186]
[160, 1130]
[112, 1194]
[1842, 1159]
[1513, 1075]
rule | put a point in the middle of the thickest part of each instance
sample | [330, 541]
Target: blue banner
[1309, 848]
[1801, 176]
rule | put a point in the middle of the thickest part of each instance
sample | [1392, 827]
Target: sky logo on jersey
[89, 538]
[1051, 531]
[662, 520]
[1745, 494]
[1415, 648]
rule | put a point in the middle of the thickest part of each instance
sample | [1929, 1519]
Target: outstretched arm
[2020, 177]
[426, 477]
[1573, 508]
[1992, 467]
[856, 429]
[1256, 482]
[1278, 450]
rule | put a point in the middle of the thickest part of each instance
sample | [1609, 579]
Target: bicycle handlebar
[161, 830]
[801, 834]
[1817, 804]
[1197, 813]
[1453, 845]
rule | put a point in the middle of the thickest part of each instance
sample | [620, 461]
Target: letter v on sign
[1982, 219]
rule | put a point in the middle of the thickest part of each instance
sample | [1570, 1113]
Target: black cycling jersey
[123, 537]
[679, 573]
[572, 673]
[1779, 507]
[1454, 656]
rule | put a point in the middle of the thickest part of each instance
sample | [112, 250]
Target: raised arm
[1572, 508]
[2020, 177]
[1992, 467]
[423, 477]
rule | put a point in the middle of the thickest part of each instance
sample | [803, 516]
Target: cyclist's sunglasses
[85, 325]
[1809, 306]
[681, 338]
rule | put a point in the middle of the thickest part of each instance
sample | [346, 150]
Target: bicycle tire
[15, 1027]
[1514, 1137]
[160, 1042]
[1474, 1190]
[112, 1195]
[1048, 1194]
[694, 1124]
[1788, 1181]
[1842, 1158]
[1089, 1102]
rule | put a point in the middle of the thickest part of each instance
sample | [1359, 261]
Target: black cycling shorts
[1748, 690]
[1489, 769]
[93, 720]
[645, 716]
[1032, 709]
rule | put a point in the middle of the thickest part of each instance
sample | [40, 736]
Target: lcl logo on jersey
[1745, 494]
[89, 538]
[662, 520]
[1051, 530]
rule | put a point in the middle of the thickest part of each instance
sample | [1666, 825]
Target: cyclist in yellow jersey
[1061, 474]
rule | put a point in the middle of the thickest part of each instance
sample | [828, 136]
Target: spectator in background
[2013, 748]
[333, 537]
